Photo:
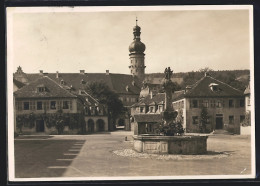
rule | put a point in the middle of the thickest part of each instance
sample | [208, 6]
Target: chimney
[41, 72]
[82, 71]
[207, 74]
[57, 74]
[107, 72]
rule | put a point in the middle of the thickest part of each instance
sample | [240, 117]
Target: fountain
[171, 137]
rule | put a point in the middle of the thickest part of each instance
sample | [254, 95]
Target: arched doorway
[90, 125]
[101, 125]
[121, 122]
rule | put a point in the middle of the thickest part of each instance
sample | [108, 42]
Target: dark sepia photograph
[130, 93]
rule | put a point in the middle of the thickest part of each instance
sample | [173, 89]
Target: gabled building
[126, 86]
[39, 105]
[147, 113]
[224, 105]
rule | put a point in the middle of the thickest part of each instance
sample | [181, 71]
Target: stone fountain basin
[156, 144]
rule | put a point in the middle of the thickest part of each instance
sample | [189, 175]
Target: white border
[13, 10]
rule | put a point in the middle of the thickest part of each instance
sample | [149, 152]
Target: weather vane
[136, 20]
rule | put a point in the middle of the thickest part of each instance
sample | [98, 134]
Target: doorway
[219, 122]
[39, 126]
[101, 125]
[90, 125]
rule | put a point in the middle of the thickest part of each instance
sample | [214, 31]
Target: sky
[185, 40]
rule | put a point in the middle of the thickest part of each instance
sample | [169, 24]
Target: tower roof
[137, 46]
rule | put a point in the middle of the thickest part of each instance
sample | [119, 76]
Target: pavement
[94, 156]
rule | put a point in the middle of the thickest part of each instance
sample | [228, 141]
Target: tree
[247, 120]
[108, 97]
[204, 120]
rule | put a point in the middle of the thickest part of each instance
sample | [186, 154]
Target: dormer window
[41, 88]
[214, 87]
[62, 82]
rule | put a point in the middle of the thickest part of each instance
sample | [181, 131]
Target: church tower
[136, 49]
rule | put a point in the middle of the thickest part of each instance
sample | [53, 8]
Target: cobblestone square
[109, 155]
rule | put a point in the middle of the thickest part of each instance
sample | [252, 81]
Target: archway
[90, 125]
[121, 122]
[101, 125]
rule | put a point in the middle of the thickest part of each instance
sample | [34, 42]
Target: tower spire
[136, 49]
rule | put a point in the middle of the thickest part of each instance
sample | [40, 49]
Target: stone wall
[170, 144]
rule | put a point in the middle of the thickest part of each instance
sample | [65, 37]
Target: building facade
[222, 104]
[40, 105]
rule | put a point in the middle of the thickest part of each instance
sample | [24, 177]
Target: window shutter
[237, 103]
[200, 103]
[70, 105]
[30, 105]
[20, 105]
[59, 105]
[47, 105]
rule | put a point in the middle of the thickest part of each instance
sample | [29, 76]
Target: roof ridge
[226, 84]
[58, 85]
[197, 82]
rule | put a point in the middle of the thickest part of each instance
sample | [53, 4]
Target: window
[248, 101]
[39, 105]
[25, 105]
[127, 99]
[41, 89]
[231, 103]
[53, 105]
[219, 104]
[231, 119]
[148, 128]
[65, 105]
[242, 103]
[205, 104]
[151, 109]
[133, 99]
[141, 109]
[242, 118]
[195, 119]
[195, 103]
[212, 104]
[160, 108]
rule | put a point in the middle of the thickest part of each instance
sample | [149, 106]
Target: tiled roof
[18, 83]
[116, 82]
[177, 95]
[88, 99]
[53, 90]
[148, 118]
[159, 98]
[201, 89]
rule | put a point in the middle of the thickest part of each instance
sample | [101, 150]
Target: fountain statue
[171, 137]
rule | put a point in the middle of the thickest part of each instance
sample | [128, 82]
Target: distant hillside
[237, 78]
